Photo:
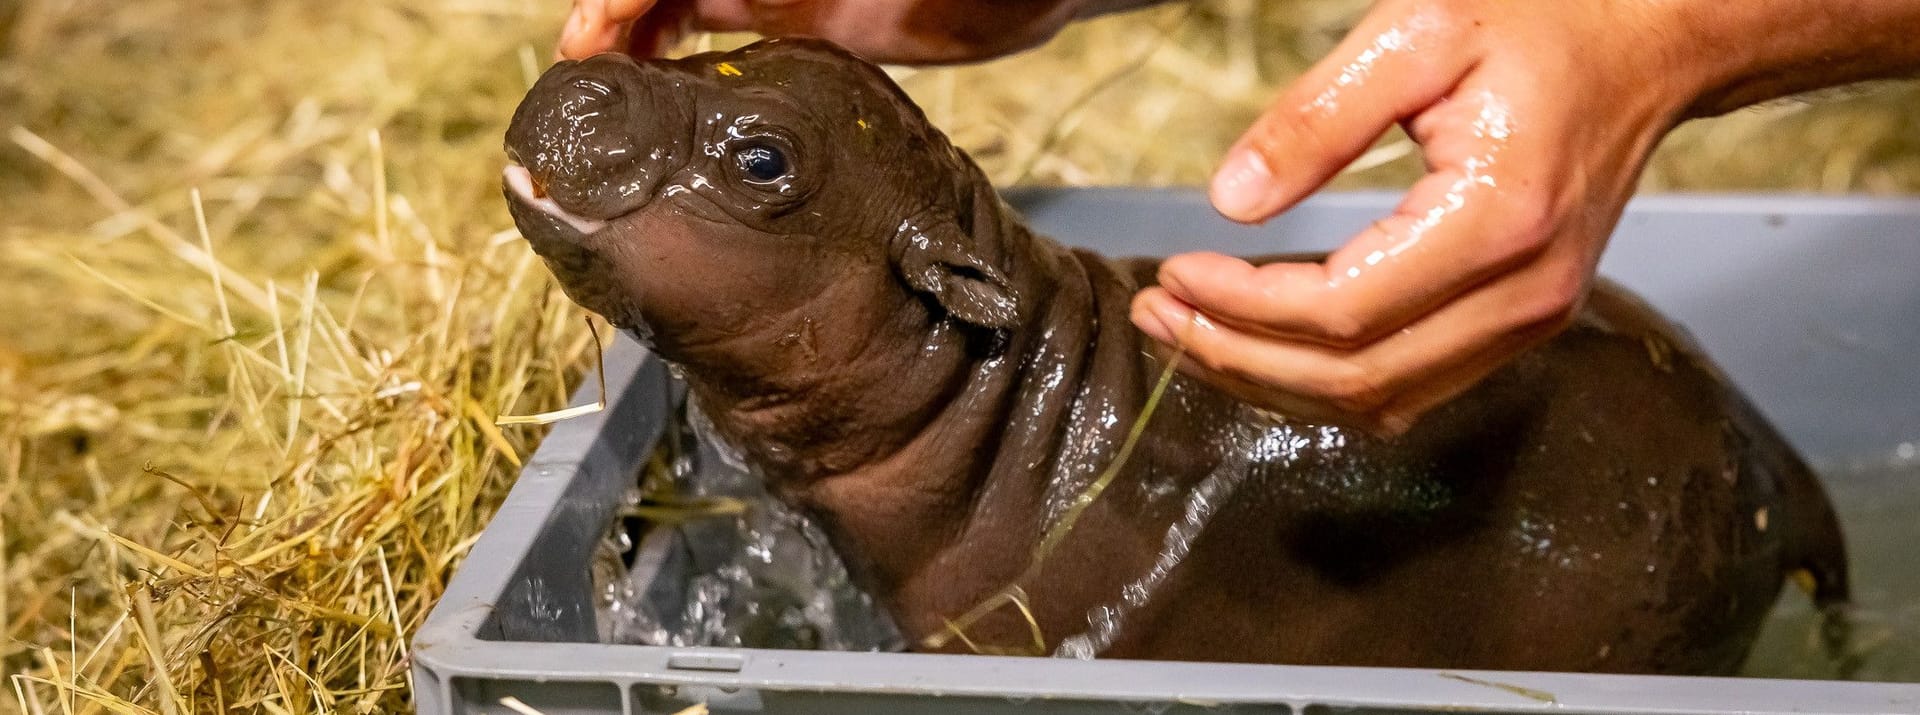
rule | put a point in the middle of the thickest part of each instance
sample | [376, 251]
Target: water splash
[765, 578]
[1263, 443]
[1876, 504]
[1106, 621]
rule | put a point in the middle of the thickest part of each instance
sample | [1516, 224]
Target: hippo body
[897, 354]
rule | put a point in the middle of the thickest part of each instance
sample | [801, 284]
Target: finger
[1288, 406]
[1387, 69]
[1405, 411]
[1503, 316]
[625, 11]
[1286, 300]
[1263, 396]
[1475, 216]
[1394, 420]
[662, 26]
[1282, 367]
[578, 23]
[596, 26]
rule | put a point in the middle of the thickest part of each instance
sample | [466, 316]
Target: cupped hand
[895, 31]
[1535, 120]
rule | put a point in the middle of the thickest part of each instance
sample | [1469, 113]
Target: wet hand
[1534, 119]
[896, 31]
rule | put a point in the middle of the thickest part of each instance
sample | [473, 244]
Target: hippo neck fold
[921, 425]
[877, 381]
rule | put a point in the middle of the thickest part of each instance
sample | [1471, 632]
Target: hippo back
[1606, 502]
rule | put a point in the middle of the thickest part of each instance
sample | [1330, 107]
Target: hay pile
[246, 434]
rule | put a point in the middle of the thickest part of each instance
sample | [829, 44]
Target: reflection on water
[1880, 512]
[767, 579]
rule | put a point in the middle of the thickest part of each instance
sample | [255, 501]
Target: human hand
[1536, 119]
[897, 31]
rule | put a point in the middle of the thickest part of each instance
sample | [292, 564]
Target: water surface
[766, 578]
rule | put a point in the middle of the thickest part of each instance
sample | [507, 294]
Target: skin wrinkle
[977, 205]
[770, 406]
[850, 374]
[853, 369]
[1051, 312]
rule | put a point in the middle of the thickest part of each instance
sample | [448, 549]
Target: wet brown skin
[897, 354]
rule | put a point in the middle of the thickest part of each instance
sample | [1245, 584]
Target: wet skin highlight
[893, 350]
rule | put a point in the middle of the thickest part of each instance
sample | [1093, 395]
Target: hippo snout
[596, 137]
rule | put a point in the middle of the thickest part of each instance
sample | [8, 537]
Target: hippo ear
[938, 263]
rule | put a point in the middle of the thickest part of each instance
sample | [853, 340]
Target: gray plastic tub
[1812, 305]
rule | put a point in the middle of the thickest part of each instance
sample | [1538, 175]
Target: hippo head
[787, 191]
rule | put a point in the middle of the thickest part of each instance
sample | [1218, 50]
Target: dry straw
[261, 306]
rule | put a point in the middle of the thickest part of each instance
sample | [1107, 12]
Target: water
[1879, 509]
[766, 578]
[1106, 621]
[763, 578]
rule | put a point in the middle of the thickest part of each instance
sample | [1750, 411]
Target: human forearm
[1750, 52]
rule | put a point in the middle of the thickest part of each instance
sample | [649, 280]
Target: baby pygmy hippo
[896, 353]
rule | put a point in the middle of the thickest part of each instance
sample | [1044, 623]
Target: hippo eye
[761, 163]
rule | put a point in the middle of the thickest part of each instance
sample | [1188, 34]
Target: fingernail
[570, 35]
[1149, 322]
[1394, 426]
[1162, 317]
[1174, 321]
[1170, 279]
[1242, 185]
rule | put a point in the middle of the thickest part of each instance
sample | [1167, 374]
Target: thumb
[1387, 69]
[661, 27]
[596, 26]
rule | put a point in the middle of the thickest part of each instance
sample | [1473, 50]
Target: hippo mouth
[522, 187]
